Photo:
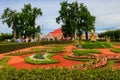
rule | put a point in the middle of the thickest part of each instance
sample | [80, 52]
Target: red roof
[55, 33]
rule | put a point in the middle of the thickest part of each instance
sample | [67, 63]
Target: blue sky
[107, 13]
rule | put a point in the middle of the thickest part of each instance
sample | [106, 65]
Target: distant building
[57, 34]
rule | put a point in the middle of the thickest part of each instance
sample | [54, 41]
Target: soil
[18, 61]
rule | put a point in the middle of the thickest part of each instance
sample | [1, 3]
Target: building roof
[56, 33]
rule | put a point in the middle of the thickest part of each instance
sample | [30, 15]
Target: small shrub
[77, 59]
[57, 49]
[18, 53]
[47, 60]
[39, 56]
[15, 46]
[91, 45]
[85, 52]
[116, 50]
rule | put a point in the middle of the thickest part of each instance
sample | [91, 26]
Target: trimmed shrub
[16, 46]
[46, 59]
[91, 45]
[39, 56]
[116, 50]
[85, 52]
[77, 59]
[18, 53]
[60, 74]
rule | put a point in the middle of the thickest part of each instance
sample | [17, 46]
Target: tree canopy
[22, 22]
[75, 18]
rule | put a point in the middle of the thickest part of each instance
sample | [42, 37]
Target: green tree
[67, 18]
[87, 20]
[29, 16]
[11, 18]
[22, 22]
[75, 18]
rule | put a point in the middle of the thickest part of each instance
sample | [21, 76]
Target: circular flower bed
[41, 59]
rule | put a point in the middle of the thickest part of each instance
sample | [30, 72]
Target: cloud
[107, 13]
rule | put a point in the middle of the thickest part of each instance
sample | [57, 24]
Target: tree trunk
[14, 32]
[86, 35]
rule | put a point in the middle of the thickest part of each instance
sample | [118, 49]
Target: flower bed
[46, 60]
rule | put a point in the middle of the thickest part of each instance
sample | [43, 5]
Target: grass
[4, 61]
[50, 49]
[57, 49]
[47, 60]
[19, 53]
[116, 50]
[116, 43]
[87, 52]
[38, 56]
[38, 49]
[6, 42]
[93, 45]
[77, 59]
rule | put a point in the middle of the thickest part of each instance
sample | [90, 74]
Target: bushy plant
[46, 60]
[59, 74]
[5, 36]
[57, 49]
[116, 50]
[91, 45]
[77, 59]
[18, 53]
[16, 46]
[39, 56]
[85, 52]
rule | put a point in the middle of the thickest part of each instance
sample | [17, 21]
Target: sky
[107, 13]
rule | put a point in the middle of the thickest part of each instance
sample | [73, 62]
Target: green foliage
[18, 53]
[4, 61]
[57, 49]
[3, 37]
[75, 18]
[113, 34]
[22, 23]
[77, 59]
[39, 56]
[116, 50]
[59, 74]
[91, 45]
[116, 43]
[85, 52]
[16, 46]
[46, 60]
[38, 49]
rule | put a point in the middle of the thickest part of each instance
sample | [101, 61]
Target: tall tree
[75, 18]
[10, 17]
[29, 15]
[86, 20]
[22, 22]
[67, 18]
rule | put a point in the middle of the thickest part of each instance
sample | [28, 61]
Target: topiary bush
[116, 50]
[45, 60]
[39, 56]
[15, 46]
[91, 45]
[59, 74]
[85, 52]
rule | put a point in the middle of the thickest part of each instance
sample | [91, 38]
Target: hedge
[15, 46]
[92, 45]
[113, 34]
[59, 74]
